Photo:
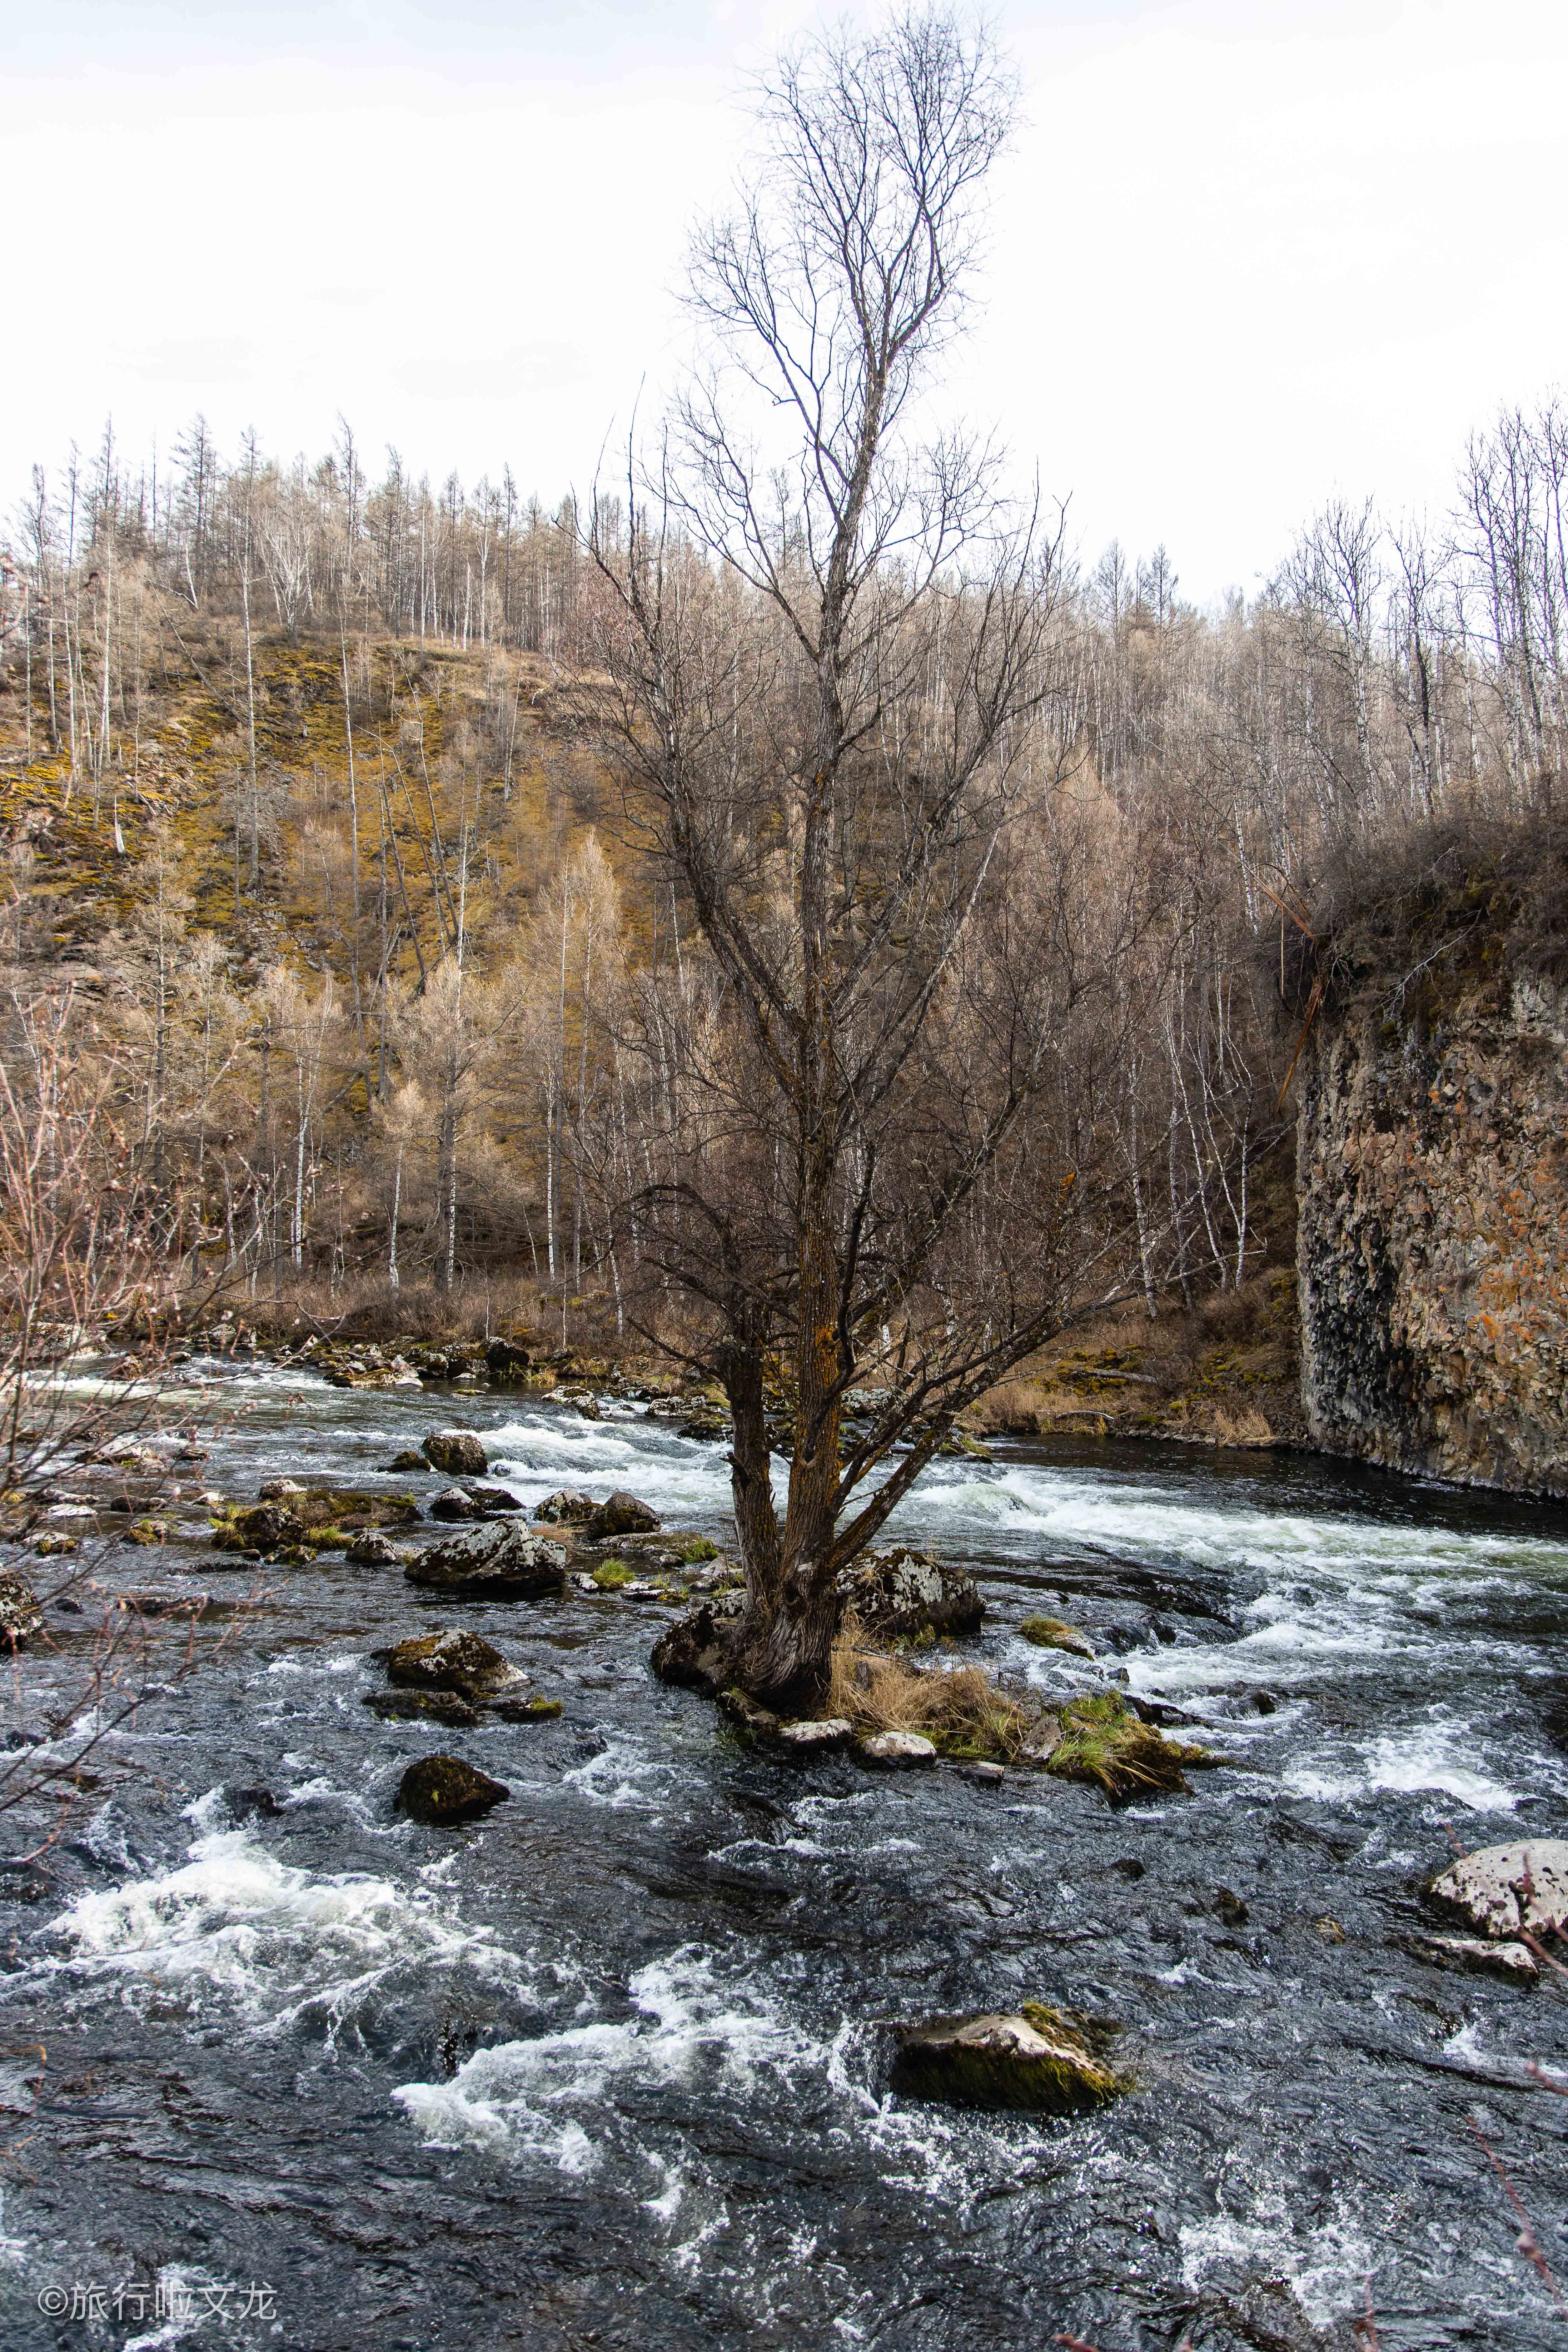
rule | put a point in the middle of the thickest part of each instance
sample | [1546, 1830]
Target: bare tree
[829, 663]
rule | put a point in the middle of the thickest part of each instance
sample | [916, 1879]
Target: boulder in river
[1510, 1890]
[897, 1751]
[1036, 2059]
[492, 1498]
[568, 1507]
[456, 1453]
[448, 1708]
[817, 1736]
[622, 1514]
[464, 1662]
[903, 1592]
[20, 1615]
[452, 1502]
[440, 1789]
[325, 1517]
[408, 1460]
[1056, 1633]
[1516, 1962]
[373, 1549]
[697, 1651]
[499, 1561]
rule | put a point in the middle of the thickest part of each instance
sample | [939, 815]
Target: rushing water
[609, 2068]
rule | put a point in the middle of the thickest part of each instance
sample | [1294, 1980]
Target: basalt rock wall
[1433, 1232]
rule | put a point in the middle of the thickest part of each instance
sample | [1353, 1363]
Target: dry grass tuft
[960, 1711]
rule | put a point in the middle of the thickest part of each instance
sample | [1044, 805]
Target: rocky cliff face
[1433, 1234]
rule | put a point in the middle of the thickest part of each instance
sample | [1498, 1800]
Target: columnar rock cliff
[1433, 1235]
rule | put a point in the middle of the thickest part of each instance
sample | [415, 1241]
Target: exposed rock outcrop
[456, 1453]
[441, 1790]
[501, 1561]
[1509, 1890]
[1035, 2059]
[1433, 1191]
[464, 1662]
[903, 1591]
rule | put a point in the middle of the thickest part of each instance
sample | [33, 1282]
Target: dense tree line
[401, 1016]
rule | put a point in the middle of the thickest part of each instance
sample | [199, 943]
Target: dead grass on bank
[960, 1709]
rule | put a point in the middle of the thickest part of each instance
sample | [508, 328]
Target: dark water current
[610, 2068]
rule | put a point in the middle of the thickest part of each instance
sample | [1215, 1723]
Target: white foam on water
[1407, 1763]
[282, 1944]
[539, 2098]
[1326, 2267]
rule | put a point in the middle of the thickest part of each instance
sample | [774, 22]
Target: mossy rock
[328, 1518]
[446, 1707]
[1037, 2060]
[1056, 1633]
[443, 1790]
[1101, 1740]
[526, 1710]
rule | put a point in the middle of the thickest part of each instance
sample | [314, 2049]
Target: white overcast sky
[1243, 256]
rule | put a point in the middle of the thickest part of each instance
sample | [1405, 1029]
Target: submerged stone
[455, 1452]
[500, 1561]
[466, 1662]
[408, 1460]
[1506, 1890]
[526, 1710]
[1035, 2059]
[440, 1789]
[446, 1707]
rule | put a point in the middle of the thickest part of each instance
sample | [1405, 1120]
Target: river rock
[696, 1651]
[567, 1509]
[1505, 1890]
[505, 1362]
[1517, 1963]
[622, 1514]
[818, 1737]
[464, 1662]
[443, 1788]
[500, 1561]
[1035, 2060]
[326, 1517]
[903, 1591]
[456, 1453]
[1056, 1633]
[452, 1502]
[373, 1549]
[493, 1499]
[20, 1615]
[407, 1460]
[453, 1711]
[896, 1751]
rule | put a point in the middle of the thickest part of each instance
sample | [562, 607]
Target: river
[609, 2069]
